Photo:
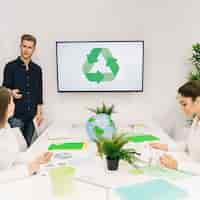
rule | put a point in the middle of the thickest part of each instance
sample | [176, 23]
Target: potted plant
[113, 150]
[195, 73]
[195, 59]
[101, 124]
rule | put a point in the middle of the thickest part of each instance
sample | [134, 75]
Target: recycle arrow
[98, 76]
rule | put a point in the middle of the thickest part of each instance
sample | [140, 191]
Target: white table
[92, 180]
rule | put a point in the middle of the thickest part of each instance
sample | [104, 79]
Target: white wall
[169, 28]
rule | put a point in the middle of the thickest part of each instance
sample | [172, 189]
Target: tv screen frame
[104, 41]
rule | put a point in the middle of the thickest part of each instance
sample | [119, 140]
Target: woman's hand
[163, 147]
[168, 162]
[34, 166]
[44, 158]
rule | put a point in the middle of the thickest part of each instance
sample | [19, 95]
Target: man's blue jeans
[26, 126]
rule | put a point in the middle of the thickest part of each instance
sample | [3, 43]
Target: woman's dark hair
[5, 98]
[190, 89]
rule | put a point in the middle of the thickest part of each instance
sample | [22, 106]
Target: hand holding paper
[168, 161]
[38, 119]
[156, 145]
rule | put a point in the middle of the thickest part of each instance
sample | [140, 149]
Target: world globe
[100, 125]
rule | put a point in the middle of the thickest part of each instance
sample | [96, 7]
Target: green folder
[143, 138]
[151, 190]
[67, 146]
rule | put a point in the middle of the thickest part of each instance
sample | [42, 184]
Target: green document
[67, 146]
[143, 138]
[152, 190]
[162, 172]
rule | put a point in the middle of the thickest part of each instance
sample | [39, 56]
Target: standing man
[24, 78]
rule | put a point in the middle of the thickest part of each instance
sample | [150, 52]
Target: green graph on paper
[67, 146]
[92, 59]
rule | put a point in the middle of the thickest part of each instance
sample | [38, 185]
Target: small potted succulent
[113, 150]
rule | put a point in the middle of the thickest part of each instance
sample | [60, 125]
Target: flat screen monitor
[100, 66]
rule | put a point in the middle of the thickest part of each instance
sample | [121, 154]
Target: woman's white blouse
[191, 145]
[12, 144]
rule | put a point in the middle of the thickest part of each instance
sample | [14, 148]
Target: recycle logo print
[98, 76]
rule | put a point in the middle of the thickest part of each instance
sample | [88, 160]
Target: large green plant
[195, 59]
[113, 148]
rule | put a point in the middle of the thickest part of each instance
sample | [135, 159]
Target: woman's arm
[179, 146]
[189, 167]
[14, 173]
[10, 171]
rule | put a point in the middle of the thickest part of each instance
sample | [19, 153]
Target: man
[24, 78]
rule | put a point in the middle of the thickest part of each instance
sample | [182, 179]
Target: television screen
[100, 66]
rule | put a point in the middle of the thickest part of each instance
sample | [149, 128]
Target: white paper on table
[43, 126]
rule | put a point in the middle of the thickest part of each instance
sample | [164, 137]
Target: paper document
[152, 190]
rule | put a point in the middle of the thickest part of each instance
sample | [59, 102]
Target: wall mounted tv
[100, 66]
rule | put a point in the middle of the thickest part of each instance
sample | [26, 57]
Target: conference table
[92, 179]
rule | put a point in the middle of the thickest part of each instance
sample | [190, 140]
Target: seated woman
[189, 99]
[12, 143]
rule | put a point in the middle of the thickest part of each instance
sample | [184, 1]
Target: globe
[100, 125]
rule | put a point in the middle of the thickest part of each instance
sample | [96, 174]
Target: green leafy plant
[114, 148]
[103, 109]
[195, 73]
[195, 59]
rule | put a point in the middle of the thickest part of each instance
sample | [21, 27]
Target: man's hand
[168, 162]
[16, 94]
[38, 119]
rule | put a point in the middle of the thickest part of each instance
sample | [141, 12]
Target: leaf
[110, 110]
[195, 59]
[98, 110]
[92, 110]
[104, 108]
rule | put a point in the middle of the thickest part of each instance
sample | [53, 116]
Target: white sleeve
[7, 159]
[192, 167]
[9, 171]
[14, 173]
[22, 158]
[178, 146]
[20, 139]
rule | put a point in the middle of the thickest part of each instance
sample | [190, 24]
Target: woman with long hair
[12, 144]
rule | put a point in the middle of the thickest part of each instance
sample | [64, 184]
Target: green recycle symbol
[98, 76]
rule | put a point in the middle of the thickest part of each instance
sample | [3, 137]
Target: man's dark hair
[29, 37]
